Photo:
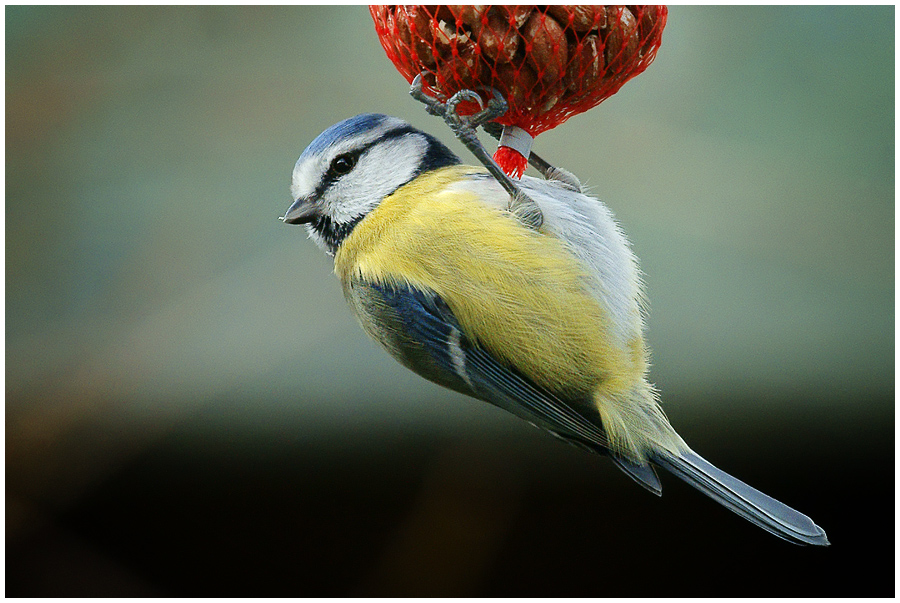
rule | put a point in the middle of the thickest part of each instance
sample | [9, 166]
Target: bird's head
[350, 167]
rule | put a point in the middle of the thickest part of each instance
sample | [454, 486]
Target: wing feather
[428, 335]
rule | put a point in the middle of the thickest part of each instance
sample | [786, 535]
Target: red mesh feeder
[549, 62]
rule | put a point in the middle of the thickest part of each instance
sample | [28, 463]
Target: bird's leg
[464, 127]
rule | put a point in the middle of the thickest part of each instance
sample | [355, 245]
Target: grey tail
[746, 501]
[642, 474]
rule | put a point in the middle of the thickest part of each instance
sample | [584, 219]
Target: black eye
[342, 164]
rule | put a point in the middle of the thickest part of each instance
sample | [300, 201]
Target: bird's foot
[464, 127]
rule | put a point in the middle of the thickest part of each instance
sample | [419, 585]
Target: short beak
[301, 212]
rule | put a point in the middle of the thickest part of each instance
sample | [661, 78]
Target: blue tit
[545, 323]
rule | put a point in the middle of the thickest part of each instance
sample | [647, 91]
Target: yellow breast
[520, 294]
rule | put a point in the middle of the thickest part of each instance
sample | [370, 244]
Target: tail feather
[746, 501]
[642, 474]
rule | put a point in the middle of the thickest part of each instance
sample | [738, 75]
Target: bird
[546, 323]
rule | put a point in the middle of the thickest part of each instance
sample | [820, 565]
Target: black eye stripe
[331, 175]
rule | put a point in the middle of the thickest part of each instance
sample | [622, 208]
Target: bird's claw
[464, 127]
[433, 105]
[495, 108]
[447, 109]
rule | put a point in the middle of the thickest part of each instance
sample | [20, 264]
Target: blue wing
[422, 332]
[424, 335]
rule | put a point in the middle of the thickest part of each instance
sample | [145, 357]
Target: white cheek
[381, 171]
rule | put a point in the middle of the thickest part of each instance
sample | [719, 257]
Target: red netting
[549, 62]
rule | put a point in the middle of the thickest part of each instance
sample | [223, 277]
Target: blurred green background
[192, 410]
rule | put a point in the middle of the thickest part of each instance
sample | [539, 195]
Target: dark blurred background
[192, 410]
